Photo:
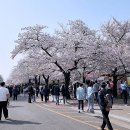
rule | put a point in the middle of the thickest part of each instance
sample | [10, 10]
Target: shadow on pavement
[116, 109]
[100, 117]
[18, 122]
[10, 106]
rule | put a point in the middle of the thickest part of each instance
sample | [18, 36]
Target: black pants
[41, 97]
[15, 97]
[46, 98]
[96, 96]
[37, 94]
[124, 95]
[106, 120]
[3, 106]
[80, 102]
[29, 98]
[64, 99]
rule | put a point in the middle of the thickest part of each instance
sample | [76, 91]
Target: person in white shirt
[90, 96]
[4, 95]
[80, 94]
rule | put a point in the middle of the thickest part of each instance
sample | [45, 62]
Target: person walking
[46, 93]
[95, 90]
[90, 97]
[30, 93]
[41, 93]
[103, 107]
[80, 94]
[52, 93]
[109, 88]
[64, 93]
[37, 91]
[57, 93]
[4, 95]
[33, 94]
[123, 87]
[15, 93]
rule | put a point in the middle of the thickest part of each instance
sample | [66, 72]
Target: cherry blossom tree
[65, 50]
[77, 41]
[116, 46]
[43, 67]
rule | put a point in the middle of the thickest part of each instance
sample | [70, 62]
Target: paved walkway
[118, 111]
[119, 114]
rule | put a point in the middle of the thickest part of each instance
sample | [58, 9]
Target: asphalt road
[48, 116]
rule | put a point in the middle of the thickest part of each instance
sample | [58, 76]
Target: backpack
[108, 100]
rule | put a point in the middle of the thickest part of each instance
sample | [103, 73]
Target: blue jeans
[57, 99]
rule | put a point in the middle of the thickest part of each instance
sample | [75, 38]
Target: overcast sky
[16, 14]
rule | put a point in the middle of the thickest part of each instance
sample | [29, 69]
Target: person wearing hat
[103, 104]
[4, 95]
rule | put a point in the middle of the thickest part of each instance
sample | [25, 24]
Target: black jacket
[64, 91]
[101, 99]
[57, 90]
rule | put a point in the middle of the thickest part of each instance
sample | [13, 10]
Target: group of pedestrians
[89, 92]
[96, 91]
[54, 91]
[84, 92]
[102, 93]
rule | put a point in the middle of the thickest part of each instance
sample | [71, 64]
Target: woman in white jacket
[90, 97]
[80, 94]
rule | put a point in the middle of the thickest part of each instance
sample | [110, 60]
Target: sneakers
[79, 111]
[87, 110]
[6, 118]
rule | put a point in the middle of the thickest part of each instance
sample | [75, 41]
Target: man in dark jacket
[30, 93]
[57, 93]
[64, 93]
[46, 93]
[103, 104]
[15, 93]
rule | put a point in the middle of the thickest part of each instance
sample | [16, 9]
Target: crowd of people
[89, 92]
[102, 93]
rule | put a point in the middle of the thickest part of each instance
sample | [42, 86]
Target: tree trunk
[36, 80]
[114, 85]
[46, 79]
[67, 82]
[115, 82]
[84, 79]
[39, 80]
[29, 82]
